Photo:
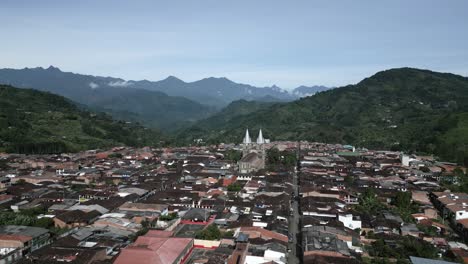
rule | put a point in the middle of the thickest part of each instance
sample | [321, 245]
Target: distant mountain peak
[52, 68]
[303, 91]
[172, 78]
[277, 88]
[223, 79]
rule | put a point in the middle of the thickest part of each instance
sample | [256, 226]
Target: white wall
[348, 221]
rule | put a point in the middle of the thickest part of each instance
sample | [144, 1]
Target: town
[257, 201]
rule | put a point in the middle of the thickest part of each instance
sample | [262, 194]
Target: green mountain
[401, 109]
[36, 122]
[208, 129]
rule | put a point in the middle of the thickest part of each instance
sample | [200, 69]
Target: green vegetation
[277, 158]
[26, 217]
[368, 203]
[405, 247]
[35, 122]
[211, 232]
[400, 109]
[404, 206]
[228, 234]
[234, 187]
[233, 155]
[168, 217]
[209, 129]
[428, 230]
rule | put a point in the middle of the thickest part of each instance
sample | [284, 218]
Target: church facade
[253, 153]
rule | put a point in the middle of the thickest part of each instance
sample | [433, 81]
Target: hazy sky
[288, 43]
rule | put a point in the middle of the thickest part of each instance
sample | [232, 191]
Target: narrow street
[294, 222]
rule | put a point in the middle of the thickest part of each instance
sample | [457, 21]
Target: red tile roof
[154, 250]
[15, 238]
[263, 233]
[159, 233]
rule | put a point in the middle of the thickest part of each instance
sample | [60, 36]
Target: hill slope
[115, 96]
[408, 109]
[40, 122]
[234, 113]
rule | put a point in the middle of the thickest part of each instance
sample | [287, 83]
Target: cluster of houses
[194, 205]
[128, 205]
[337, 228]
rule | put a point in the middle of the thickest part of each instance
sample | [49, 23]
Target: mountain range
[167, 104]
[110, 95]
[401, 109]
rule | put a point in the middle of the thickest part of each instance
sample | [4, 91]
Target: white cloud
[120, 84]
[93, 85]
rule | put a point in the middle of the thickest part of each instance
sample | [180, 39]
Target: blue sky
[287, 43]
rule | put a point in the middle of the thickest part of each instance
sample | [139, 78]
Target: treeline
[39, 148]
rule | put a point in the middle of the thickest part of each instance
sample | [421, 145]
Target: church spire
[260, 139]
[247, 139]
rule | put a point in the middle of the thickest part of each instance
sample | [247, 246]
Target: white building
[350, 221]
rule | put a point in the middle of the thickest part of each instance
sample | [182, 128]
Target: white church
[253, 153]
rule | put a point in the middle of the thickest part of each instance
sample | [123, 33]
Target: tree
[273, 156]
[211, 232]
[403, 200]
[233, 155]
[234, 187]
[288, 158]
[369, 203]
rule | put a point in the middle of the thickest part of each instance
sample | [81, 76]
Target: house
[5, 198]
[88, 208]
[258, 232]
[5, 182]
[197, 215]
[323, 243]
[462, 227]
[453, 206]
[417, 260]
[27, 238]
[350, 221]
[62, 251]
[252, 187]
[118, 221]
[410, 230]
[144, 209]
[154, 248]
[269, 256]
[75, 218]
[228, 180]
[240, 253]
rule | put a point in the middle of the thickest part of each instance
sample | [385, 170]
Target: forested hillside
[40, 122]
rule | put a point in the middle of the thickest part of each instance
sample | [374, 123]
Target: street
[294, 224]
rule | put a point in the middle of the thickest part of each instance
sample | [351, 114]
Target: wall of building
[206, 243]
